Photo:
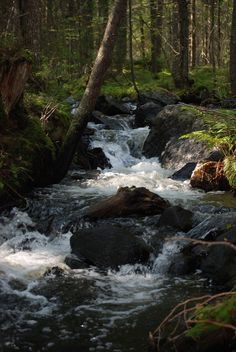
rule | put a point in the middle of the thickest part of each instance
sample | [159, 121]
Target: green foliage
[222, 312]
[220, 133]
[204, 78]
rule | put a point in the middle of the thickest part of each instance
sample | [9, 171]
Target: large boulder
[163, 140]
[107, 246]
[217, 262]
[146, 114]
[127, 202]
[210, 176]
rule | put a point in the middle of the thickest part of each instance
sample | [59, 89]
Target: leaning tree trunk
[233, 52]
[91, 93]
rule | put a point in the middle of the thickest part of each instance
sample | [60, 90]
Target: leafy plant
[220, 133]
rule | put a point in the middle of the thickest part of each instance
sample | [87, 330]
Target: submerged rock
[177, 217]
[107, 246]
[210, 176]
[127, 202]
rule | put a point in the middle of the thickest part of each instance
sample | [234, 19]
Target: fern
[220, 133]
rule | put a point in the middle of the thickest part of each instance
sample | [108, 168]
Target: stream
[45, 306]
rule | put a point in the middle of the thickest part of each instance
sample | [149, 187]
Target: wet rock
[107, 246]
[91, 159]
[75, 262]
[54, 271]
[185, 172]
[111, 106]
[146, 113]
[177, 217]
[210, 176]
[127, 202]
[163, 140]
[217, 262]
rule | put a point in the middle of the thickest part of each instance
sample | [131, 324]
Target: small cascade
[59, 309]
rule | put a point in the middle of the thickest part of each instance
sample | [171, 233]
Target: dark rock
[91, 159]
[110, 106]
[128, 202]
[161, 96]
[218, 262]
[55, 271]
[108, 246]
[185, 172]
[177, 217]
[210, 176]
[75, 262]
[116, 122]
[163, 140]
[215, 155]
[145, 114]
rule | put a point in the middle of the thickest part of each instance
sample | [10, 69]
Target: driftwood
[13, 77]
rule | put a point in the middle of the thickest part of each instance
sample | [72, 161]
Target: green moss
[223, 313]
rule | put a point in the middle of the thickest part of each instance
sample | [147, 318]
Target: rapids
[45, 306]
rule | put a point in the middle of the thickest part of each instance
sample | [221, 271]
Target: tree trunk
[120, 52]
[13, 76]
[233, 51]
[156, 15]
[91, 93]
[180, 73]
[194, 36]
[30, 25]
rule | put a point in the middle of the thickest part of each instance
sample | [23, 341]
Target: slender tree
[91, 93]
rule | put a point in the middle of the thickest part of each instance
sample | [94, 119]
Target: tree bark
[91, 93]
[233, 51]
[156, 15]
[13, 76]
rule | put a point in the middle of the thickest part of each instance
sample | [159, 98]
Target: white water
[26, 253]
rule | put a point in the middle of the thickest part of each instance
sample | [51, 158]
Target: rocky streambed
[87, 264]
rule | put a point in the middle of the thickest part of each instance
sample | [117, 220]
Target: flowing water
[45, 306]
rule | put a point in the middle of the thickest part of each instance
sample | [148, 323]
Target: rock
[210, 176]
[218, 262]
[110, 106]
[161, 96]
[163, 140]
[90, 159]
[108, 246]
[75, 262]
[146, 113]
[177, 217]
[185, 172]
[116, 122]
[128, 202]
